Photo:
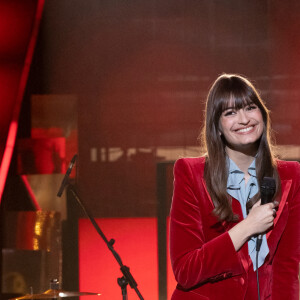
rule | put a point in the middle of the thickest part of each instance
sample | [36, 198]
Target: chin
[246, 145]
[249, 141]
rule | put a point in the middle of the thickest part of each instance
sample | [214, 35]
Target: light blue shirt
[236, 188]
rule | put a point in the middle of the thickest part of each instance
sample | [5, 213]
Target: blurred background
[123, 85]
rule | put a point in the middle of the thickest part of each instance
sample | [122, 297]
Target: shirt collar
[251, 169]
[233, 168]
[236, 176]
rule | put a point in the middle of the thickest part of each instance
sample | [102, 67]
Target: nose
[243, 117]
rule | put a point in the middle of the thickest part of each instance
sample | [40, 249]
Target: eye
[228, 112]
[251, 107]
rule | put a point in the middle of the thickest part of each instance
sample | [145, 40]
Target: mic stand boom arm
[127, 277]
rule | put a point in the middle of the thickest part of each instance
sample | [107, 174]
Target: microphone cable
[258, 244]
[267, 191]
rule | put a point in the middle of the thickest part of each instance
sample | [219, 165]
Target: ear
[220, 132]
[219, 128]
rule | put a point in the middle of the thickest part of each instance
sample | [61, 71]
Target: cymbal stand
[127, 276]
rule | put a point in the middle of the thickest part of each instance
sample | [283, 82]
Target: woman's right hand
[261, 217]
[259, 220]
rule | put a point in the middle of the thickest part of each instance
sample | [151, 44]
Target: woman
[216, 213]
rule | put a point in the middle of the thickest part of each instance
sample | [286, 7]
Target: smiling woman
[234, 106]
[216, 214]
[241, 127]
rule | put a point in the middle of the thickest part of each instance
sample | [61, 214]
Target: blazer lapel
[207, 194]
[285, 188]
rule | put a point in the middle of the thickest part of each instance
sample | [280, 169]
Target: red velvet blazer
[205, 263]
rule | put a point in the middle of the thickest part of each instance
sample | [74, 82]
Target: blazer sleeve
[196, 260]
[287, 256]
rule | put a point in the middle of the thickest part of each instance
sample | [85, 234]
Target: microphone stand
[127, 277]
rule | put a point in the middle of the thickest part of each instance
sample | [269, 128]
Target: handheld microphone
[66, 178]
[267, 191]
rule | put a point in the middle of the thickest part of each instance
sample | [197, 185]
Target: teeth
[245, 129]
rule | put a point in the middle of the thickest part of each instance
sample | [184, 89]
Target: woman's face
[241, 128]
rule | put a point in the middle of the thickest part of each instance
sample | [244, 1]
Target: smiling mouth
[245, 129]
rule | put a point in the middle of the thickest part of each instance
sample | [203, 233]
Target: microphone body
[267, 191]
[66, 178]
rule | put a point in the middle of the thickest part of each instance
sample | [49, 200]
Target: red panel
[41, 156]
[136, 243]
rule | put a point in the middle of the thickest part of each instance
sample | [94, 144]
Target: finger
[273, 205]
[257, 203]
[269, 217]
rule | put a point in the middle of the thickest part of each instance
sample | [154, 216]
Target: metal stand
[122, 282]
[127, 277]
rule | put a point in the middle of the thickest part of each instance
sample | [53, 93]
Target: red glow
[70, 145]
[41, 156]
[7, 155]
[30, 192]
[136, 243]
[22, 15]
[15, 26]
[9, 80]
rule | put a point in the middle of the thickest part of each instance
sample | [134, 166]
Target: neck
[242, 159]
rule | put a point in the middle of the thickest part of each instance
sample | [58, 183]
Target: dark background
[141, 71]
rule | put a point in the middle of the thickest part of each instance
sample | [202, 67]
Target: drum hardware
[54, 292]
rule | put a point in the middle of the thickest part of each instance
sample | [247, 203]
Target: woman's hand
[259, 220]
[261, 217]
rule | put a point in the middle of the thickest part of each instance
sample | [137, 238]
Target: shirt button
[242, 281]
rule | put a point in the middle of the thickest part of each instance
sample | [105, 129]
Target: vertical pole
[162, 212]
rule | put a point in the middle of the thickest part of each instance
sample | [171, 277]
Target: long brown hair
[239, 90]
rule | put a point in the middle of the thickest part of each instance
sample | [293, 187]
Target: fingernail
[276, 203]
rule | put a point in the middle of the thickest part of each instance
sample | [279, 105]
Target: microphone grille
[268, 183]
